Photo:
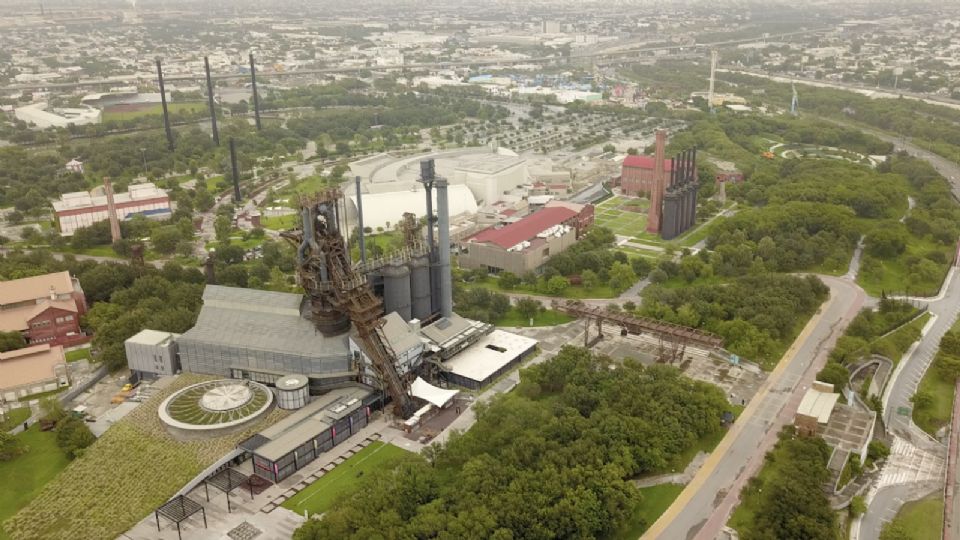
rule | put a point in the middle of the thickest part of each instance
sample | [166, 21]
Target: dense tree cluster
[788, 237]
[753, 314]
[480, 304]
[550, 460]
[788, 500]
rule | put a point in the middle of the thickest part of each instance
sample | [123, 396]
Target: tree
[857, 506]
[621, 276]
[528, 307]
[555, 285]
[922, 399]
[222, 226]
[835, 374]
[887, 241]
[10, 446]
[588, 278]
[10, 341]
[509, 281]
[165, 239]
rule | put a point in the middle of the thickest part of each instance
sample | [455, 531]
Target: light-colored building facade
[81, 209]
[151, 352]
[523, 246]
[32, 370]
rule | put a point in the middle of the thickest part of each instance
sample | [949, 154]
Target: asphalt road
[705, 505]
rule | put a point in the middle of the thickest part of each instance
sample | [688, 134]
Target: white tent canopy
[431, 394]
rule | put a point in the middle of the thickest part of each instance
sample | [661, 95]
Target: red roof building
[45, 309]
[522, 246]
[636, 176]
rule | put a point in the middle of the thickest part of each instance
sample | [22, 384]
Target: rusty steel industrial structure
[163, 103]
[639, 325]
[213, 110]
[338, 294]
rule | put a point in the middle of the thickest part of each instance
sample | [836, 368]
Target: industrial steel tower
[659, 183]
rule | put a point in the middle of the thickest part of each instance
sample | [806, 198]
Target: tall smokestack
[256, 97]
[427, 176]
[236, 171]
[163, 102]
[659, 183]
[363, 247]
[111, 210]
[213, 111]
[443, 232]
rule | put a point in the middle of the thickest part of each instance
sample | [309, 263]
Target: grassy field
[212, 183]
[923, 519]
[344, 479]
[900, 338]
[79, 354]
[611, 214]
[656, 500]
[14, 417]
[155, 110]
[547, 317]
[29, 472]
[279, 223]
[575, 292]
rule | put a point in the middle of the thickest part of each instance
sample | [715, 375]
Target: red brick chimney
[660, 183]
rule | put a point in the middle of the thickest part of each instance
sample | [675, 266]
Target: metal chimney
[236, 172]
[256, 97]
[363, 248]
[213, 111]
[111, 210]
[427, 176]
[163, 103]
[443, 232]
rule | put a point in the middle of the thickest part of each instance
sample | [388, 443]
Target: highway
[704, 506]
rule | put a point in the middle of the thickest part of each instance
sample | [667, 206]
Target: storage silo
[292, 391]
[420, 287]
[396, 289]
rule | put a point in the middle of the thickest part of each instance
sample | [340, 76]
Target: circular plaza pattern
[214, 405]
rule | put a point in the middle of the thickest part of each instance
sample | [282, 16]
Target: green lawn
[156, 110]
[937, 415]
[656, 500]
[14, 417]
[923, 519]
[613, 214]
[575, 292]
[280, 223]
[343, 480]
[249, 243]
[383, 243]
[547, 317]
[79, 354]
[901, 338]
[29, 472]
[212, 182]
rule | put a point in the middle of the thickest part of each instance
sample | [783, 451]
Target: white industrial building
[387, 209]
[40, 117]
[152, 352]
[491, 176]
[81, 209]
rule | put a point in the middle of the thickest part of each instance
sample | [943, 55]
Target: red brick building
[45, 309]
[636, 176]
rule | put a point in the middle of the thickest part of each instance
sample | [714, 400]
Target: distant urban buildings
[81, 209]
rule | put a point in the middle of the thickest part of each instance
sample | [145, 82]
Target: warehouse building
[287, 446]
[262, 336]
[491, 176]
[32, 370]
[81, 209]
[523, 246]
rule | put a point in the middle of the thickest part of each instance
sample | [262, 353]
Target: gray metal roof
[399, 333]
[305, 424]
[262, 320]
